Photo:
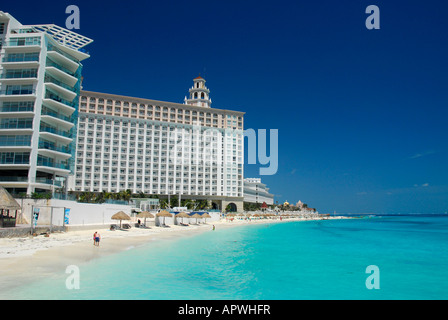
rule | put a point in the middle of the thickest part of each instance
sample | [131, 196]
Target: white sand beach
[25, 259]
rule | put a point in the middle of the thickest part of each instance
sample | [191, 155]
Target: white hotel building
[256, 192]
[40, 79]
[189, 150]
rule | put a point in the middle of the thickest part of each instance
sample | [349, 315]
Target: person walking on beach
[96, 239]
[213, 227]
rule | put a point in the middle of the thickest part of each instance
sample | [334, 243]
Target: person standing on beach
[96, 239]
[213, 227]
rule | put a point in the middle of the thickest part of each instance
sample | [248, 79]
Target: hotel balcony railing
[23, 30]
[44, 180]
[13, 178]
[10, 92]
[59, 83]
[45, 128]
[46, 162]
[33, 41]
[53, 48]
[50, 146]
[14, 142]
[14, 161]
[16, 125]
[21, 58]
[17, 109]
[49, 112]
[50, 63]
[17, 75]
[59, 99]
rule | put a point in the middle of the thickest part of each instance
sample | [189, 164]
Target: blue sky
[362, 114]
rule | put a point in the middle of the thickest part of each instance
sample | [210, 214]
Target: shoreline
[28, 259]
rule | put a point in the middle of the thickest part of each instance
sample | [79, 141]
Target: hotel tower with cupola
[189, 150]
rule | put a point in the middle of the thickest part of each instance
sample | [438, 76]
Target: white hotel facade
[40, 80]
[189, 150]
[257, 192]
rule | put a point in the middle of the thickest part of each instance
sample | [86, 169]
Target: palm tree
[125, 195]
[141, 194]
[164, 204]
[86, 197]
[174, 201]
[191, 204]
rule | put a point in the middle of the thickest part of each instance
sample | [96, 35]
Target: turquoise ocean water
[294, 260]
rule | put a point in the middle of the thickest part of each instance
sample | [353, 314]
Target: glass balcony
[46, 128]
[15, 141]
[13, 179]
[53, 48]
[52, 182]
[56, 98]
[50, 63]
[59, 83]
[19, 74]
[16, 123]
[49, 162]
[14, 157]
[17, 90]
[29, 41]
[48, 112]
[52, 146]
[22, 57]
[17, 106]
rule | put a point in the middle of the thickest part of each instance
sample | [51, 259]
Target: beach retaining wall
[24, 231]
[51, 212]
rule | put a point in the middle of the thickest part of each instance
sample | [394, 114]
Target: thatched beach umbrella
[164, 214]
[8, 203]
[145, 214]
[120, 215]
[182, 215]
[205, 216]
[196, 215]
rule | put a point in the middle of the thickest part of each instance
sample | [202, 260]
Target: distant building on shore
[188, 150]
[39, 92]
[256, 192]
